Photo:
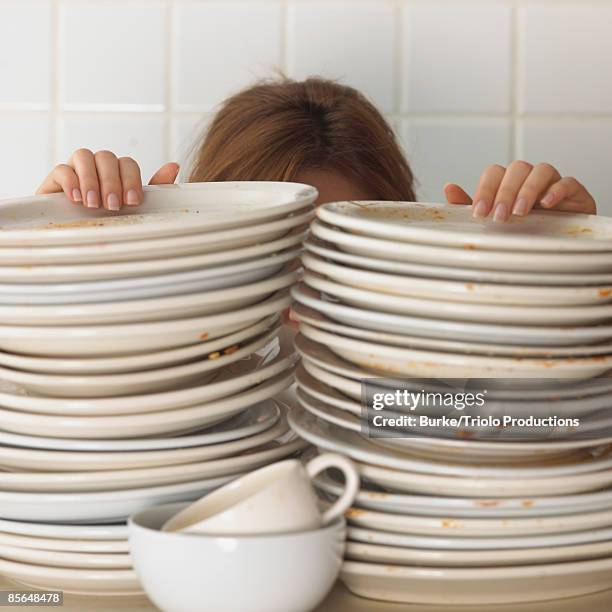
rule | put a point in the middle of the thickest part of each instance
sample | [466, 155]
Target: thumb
[456, 195]
[166, 175]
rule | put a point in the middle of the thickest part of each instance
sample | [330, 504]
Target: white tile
[187, 134]
[457, 58]
[112, 55]
[579, 149]
[142, 138]
[353, 42]
[24, 153]
[221, 47]
[565, 55]
[25, 53]
[456, 151]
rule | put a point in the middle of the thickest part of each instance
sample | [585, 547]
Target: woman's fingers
[569, 195]
[107, 166]
[534, 187]
[487, 189]
[456, 195]
[62, 178]
[166, 175]
[131, 181]
[506, 195]
[84, 164]
[517, 189]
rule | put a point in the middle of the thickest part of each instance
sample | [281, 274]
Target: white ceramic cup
[278, 498]
[283, 572]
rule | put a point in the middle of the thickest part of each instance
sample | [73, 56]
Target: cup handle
[351, 483]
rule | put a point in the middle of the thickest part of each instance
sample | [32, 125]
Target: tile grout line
[514, 76]
[284, 35]
[169, 77]
[55, 84]
[399, 58]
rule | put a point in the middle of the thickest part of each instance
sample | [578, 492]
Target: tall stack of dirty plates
[425, 291]
[139, 355]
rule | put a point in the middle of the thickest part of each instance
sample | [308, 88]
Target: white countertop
[339, 600]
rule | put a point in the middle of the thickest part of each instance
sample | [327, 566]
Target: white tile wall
[25, 152]
[220, 47]
[458, 63]
[465, 82]
[577, 148]
[353, 42]
[25, 53]
[565, 59]
[112, 55]
[453, 151]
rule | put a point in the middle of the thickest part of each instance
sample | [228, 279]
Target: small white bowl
[289, 572]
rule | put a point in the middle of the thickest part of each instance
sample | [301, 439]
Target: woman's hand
[102, 178]
[515, 190]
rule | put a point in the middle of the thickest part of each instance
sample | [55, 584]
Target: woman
[316, 132]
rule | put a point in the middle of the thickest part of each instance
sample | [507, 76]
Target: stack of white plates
[139, 353]
[438, 531]
[425, 291]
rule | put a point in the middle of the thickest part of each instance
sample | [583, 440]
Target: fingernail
[92, 199]
[520, 207]
[480, 209]
[76, 195]
[501, 212]
[547, 200]
[131, 197]
[112, 201]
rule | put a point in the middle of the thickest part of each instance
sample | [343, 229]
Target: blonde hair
[276, 129]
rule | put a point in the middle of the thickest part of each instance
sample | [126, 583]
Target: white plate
[473, 586]
[326, 403]
[328, 408]
[463, 257]
[175, 246]
[313, 389]
[28, 276]
[65, 532]
[161, 308]
[66, 559]
[122, 479]
[99, 506]
[250, 422]
[167, 210]
[389, 468]
[165, 285]
[454, 527]
[580, 392]
[521, 335]
[459, 311]
[201, 372]
[236, 377]
[451, 225]
[329, 251]
[374, 498]
[147, 424]
[316, 319]
[133, 363]
[428, 364]
[21, 459]
[376, 553]
[102, 547]
[456, 291]
[115, 340]
[412, 482]
[70, 580]
[467, 543]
